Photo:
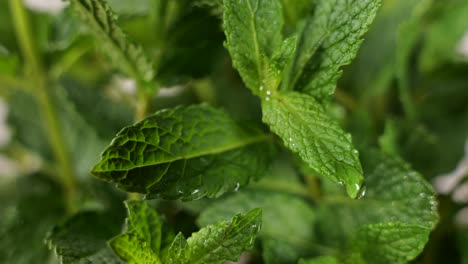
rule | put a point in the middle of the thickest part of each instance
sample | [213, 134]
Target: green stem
[37, 75]
[143, 105]
[407, 101]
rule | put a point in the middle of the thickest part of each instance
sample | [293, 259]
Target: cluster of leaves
[260, 148]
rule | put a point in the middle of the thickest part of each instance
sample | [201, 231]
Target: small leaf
[284, 53]
[253, 33]
[187, 152]
[126, 56]
[30, 207]
[391, 223]
[329, 39]
[225, 241]
[178, 252]
[83, 237]
[305, 128]
[287, 225]
[145, 222]
[131, 248]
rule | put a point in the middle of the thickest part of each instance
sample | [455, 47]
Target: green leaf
[186, 152]
[320, 260]
[253, 33]
[305, 128]
[125, 55]
[282, 56]
[145, 222]
[83, 237]
[391, 224]
[225, 241]
[134, 250]
[287, 230]
[178, 252]
[30, 206]
[329, 40]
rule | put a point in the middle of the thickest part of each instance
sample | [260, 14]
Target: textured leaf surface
[225, 241]
[329, 40]
[145, 222]
[187, 152]
[287, 229]
[83, 237]
[305, 128]
[30, 207]
[178, 252]
[126, 56]
[134, 250]
[391, 224]
[253, 32]
[287, 222]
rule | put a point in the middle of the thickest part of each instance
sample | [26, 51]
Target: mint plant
[216, 131]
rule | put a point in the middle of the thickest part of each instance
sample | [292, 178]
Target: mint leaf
[329, 39]
[225, 241]
[83, 237]
[305, 128]
[186, 152]
[253, 33]
[22, 231]
[287, 225]
[178, 252]
[391, 224]
[145, 222]
[134, 250]
[125, 55]
[145, 238]
[282, 56]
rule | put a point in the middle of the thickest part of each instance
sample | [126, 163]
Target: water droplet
[268, 92]
[195, 191]
[355, 152]
[340, 182]
[261, 88]
[267, 98]
[237, 187]
[362, 192]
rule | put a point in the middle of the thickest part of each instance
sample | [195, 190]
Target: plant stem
[143, 105]
[346, 100]
[35, 71]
